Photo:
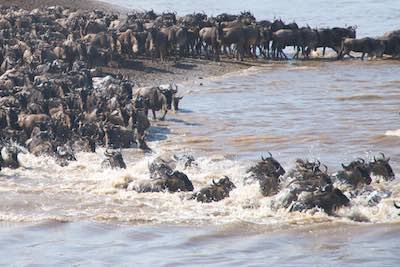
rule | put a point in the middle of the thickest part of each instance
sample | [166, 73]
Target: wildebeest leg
[205, 47]
[262, 52]
[217, 50]
[154, 114]
[296, 56]
[163, 117]
[282, 53]
[323, 51]
[362, 56]
[142, 142]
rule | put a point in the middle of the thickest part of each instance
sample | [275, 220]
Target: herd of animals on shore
[51, 103]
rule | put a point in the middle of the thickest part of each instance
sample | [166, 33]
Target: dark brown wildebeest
[215, 192]
[113, 160]
[328, 200]
[372, 47]
[172, 182]
[212, 37]
[381, 167]
[157, 98]
[356, 173]
[157, 44]
[283, 38]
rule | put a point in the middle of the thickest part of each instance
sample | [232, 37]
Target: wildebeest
[157, 44]
[64, 154]
[236, 36]
[157, 98]
[356, 173]
[113, 160]
[9, 157]
[159, 167]
[333, 38]
[392, 45]
[215, 192]
[176, 101]
[381, 167]
[372, 47]
[118, 137]
[172, 182]
[267, 172]
[329, 200]
[212, 37]
[30, 121]
[283, 38]
[309, 177]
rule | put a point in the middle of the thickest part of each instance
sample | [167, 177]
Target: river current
[322, 109]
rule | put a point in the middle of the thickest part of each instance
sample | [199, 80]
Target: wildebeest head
[352, 31]
[225, 183]
[178, 181]
[9, 157]
[268, 166]
[169, 93]
[310, 176]
[159, 169]
[357, 172]
[176, 102]
[381, 167]
[114, 159]
[64, 155]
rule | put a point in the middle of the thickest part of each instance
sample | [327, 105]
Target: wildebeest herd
[307, 186]
[51, 103]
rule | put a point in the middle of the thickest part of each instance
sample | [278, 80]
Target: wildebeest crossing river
[331, 111]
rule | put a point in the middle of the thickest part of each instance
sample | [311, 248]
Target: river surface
[325, 110]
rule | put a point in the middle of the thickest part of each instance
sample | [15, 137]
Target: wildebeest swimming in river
[215, 192]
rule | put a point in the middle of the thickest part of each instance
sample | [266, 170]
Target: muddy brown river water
[322, 109]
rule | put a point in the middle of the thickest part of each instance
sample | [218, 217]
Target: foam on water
[41, 190]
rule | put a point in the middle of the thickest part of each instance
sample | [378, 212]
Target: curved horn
[314, 168]
[214, 182]
[344, 166]
[362, 161]
[374, 159]
[169, 173]
[319, 163]
[383, 156]
[262, 158]
[326, 168]
[270, 155]
[108, 153]
[397, 206]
